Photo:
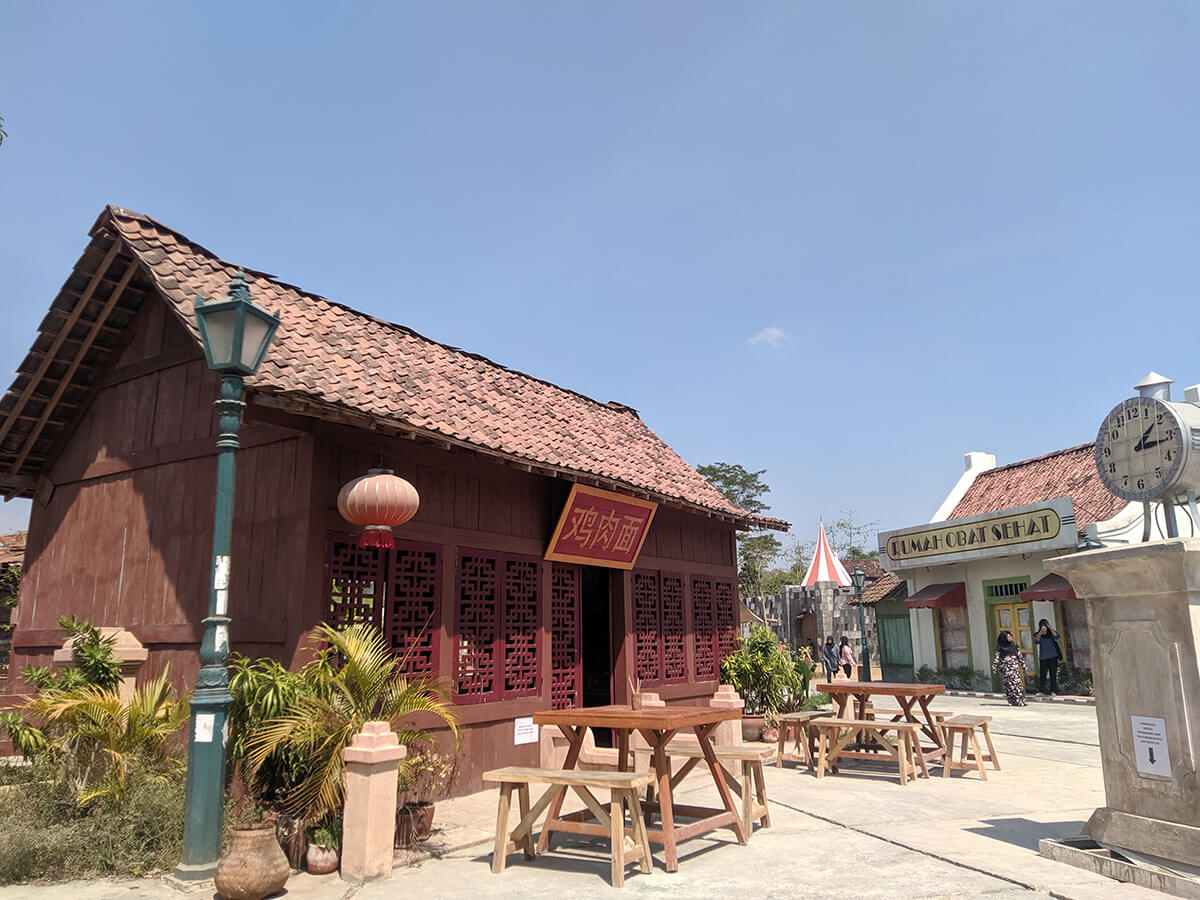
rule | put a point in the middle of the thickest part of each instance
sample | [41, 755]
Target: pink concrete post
[369, 819]
[730, 732]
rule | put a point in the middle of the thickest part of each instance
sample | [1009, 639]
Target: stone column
[1143, 611]
[369, 818]
[127, 650]
[729, 732]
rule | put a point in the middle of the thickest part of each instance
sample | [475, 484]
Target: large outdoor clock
[1148, 448]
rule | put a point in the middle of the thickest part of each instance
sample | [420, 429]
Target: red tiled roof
[880, 589]
[870, 567]
[1071, 472]
[12, 548]
[336, 358]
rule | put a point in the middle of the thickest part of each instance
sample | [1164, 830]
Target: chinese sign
[601, 528]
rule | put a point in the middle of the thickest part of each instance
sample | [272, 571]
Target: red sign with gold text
[601, 528]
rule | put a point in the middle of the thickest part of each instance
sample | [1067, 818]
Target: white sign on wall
[524, 731]
[204, 727]
[1150, 746]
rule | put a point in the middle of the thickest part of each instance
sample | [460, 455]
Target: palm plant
[355, 678]
[101, 741]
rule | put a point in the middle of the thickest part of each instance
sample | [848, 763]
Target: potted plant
[324, 839]
[424, 778]
[765, 676]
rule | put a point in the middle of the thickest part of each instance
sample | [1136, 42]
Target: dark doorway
[595, 644]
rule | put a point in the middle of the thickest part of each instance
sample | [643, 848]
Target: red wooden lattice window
[395, 590]
[704, 629]
[496, 627]
[674, 655]
[727, 618]
[647, 628]
[566, 662]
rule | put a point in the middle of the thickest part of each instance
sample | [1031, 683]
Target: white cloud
[772, 337]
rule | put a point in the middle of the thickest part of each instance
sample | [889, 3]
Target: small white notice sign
[1150, 746]
[204, 727]
[524, 731]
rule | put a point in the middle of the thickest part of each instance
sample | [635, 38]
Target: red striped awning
[935, 595]
[1052, 587]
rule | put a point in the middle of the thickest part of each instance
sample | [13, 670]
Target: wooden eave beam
[75, 363]
[83, 301]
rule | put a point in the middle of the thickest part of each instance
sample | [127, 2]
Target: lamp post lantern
[235, 333]
[858, 577]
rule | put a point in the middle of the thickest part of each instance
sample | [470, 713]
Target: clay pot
[289, 831]
[752, 728]
[414, 823]
[770, 735]
[253, 866]
[321, 860]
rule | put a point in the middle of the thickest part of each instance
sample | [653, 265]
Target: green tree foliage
[3, 133]
[10, 584]
[764, 673]
[741, 488]
[95, 665]
[355, 678]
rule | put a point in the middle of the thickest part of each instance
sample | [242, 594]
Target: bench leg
[500, 851]
[948, 755]
[822, 749]
[978, 756]
[523, 801]
[760, 787]
[987, 736]
[747, 798]
[783, 733]
[902, 756]
[616, 817]
[639, 832]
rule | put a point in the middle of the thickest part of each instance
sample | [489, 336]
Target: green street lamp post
[858, 577]
[236, 333]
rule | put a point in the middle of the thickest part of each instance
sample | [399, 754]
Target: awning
[1052, 587]
[935, 595]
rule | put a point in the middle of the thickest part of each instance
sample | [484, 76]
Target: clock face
[1139, 450]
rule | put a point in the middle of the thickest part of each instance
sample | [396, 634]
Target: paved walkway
[855, 834]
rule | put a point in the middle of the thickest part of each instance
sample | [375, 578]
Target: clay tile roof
[880, 589]
[870, 567]
[12, 548]
[337, 359]
[1071, 472]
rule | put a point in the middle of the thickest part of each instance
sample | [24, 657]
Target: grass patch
[43, 838]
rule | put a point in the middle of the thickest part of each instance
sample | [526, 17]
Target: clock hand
[1144, 444]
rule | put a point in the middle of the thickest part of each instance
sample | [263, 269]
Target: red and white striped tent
[825, 565]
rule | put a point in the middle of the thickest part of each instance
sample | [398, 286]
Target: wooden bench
[834, 735]
[965, 726]
[795, 726]
[751, 758]
[623, 788]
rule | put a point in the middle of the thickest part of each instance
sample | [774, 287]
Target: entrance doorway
[595, 644]
[1017, 618]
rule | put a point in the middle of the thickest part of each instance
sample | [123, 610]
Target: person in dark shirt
[829, 658]
[1049, 653]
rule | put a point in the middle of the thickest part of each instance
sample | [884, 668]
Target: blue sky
[843, 242]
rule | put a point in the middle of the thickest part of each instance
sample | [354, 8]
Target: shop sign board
[601, 528]
[1049, 525]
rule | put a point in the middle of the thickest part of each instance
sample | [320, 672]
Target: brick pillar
[730, 732]
[369, 819]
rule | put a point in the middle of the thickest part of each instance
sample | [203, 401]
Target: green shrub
[816, 701]
[763, 673]
[959, 678]
[1075, 681]
[43, 836]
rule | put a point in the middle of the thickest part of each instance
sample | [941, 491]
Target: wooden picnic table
[657, 725]
[913, 699]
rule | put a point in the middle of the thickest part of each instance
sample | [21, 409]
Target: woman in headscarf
[1009, 664]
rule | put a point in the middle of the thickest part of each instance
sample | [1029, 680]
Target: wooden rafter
[83, 348]
[48, 359]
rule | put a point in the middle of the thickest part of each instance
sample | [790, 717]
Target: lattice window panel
[356, 579]
[566, 663]
[647, 627]
[520, 623]
[411, 621]
[704, 626]
[476, 628]
[674, 654]
[726, 613]
[496, 627]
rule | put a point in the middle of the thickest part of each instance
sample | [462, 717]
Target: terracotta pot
[752, 727]
[770, 735]
[321, 860]
[414, 823]
[253, 866]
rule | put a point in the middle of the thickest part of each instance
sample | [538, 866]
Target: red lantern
[378, 501]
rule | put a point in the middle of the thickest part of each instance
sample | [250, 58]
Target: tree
[756, 552]
[741, 488]
[848, 539]
[3, 133]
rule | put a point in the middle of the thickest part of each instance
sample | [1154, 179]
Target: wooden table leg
[666, 810]
[622, 750]
[702, 733]
[575, 736]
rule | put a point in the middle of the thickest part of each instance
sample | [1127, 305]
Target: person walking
[829, 658]
[1049, 653]
[1009, 664]
[846, 656]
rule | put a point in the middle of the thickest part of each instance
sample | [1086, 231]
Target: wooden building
[110, 428]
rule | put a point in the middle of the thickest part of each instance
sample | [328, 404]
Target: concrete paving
[858, 834]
